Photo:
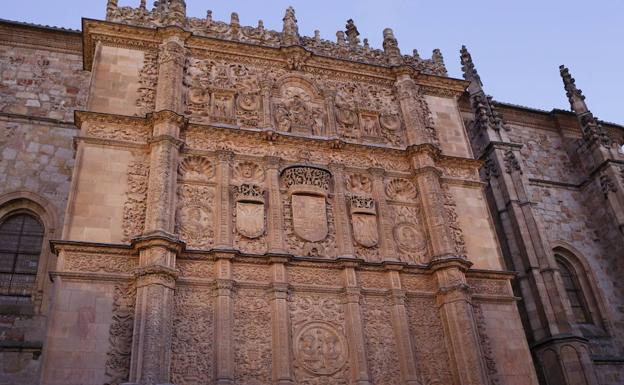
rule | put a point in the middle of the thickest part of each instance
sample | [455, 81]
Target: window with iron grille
[21, 237]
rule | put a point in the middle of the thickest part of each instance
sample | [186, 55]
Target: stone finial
[352, 33]
[468, 67]
[143, 5]
[174, 11]
[317, 35]
[415, 54]
[366, 45]
[340, 39]
[438, 60]
[261, 25]
[590, 126]
[111, 6]
[290, 31]
[391, 47]
[234, 19]
[575, 95]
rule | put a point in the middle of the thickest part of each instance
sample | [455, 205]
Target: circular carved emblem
[194, 219]
[320, 348]
[408, 237]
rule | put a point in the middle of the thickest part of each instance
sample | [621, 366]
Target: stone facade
[232, 205]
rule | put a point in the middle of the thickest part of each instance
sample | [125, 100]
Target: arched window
[21, 237]
[574, 291]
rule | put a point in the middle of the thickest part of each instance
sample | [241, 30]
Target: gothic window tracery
[574, 292]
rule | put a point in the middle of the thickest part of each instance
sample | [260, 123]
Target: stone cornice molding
[159, 239]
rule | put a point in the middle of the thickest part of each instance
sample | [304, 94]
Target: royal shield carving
[364, 221]
[309, 217]
[249, 210]
[250, 219]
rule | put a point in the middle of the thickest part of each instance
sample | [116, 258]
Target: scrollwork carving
[135, 206]
[120, 335]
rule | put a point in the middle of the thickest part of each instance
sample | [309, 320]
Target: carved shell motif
[400, 189]
[196, 168]
[359, 184]
[246, 171]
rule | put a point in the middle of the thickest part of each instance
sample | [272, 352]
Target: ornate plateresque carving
[135, 205]
[409, 235]
[195, 215]
[319, 343]
[250, 213]
[120, 335]
[380, 344]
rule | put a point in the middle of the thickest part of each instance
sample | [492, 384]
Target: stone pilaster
[432, 201]
[282, 356]
[407, 92]
[400, 324]
[355, 327]
[171, 58]
[344, 243]
[153, 319]
[387, 251]
[224, 352]
[276, 215]
[330, 96]
[462, 340]
[223, 227]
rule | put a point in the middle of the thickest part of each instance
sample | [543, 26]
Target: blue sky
[517, 45]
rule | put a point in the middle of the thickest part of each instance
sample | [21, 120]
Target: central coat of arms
[249, 210]
[308, 188]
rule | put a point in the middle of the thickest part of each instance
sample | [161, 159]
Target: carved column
[432, 200]
[282, 357]
[276, 215]
[355, 327]
[400, 325]
[454, 302]
[344, 243]
[224, 352]
[329, 96]
[223, 228]
[386, 245]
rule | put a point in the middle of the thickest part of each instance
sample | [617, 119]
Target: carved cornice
[160, 239]
[441, 86]
[167, 116]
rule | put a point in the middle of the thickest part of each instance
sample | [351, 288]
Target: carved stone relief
[134, 208]
[430, 349]
[222, 92]
[319, 343]
[250, 217]
[196, 168]
[192, 351]
[400, 190]
[298, 108]
[453, 220]
[195, 215]
[380, 342]
[248, 172]
[409, 235]
[252, 337]
[308, 215]
[148, 78]
[120, 335]
[486, 346]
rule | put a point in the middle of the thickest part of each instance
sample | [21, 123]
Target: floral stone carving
[195, 219]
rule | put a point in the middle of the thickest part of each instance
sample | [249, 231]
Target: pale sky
[517, 45]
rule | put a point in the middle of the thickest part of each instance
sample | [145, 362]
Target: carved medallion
[249, 210]
[320, 348]
[248, 172]
[409, 237]
[364, 221]
[309, 217]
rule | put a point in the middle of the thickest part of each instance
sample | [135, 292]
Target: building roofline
[40, 26]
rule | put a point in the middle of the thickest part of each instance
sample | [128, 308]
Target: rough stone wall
[41, 84]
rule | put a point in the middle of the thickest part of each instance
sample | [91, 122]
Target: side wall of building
[41, 84]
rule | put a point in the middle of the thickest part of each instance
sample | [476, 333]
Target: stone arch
[297, 80]
[588, 285]
[298, 106]
[28, 202]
